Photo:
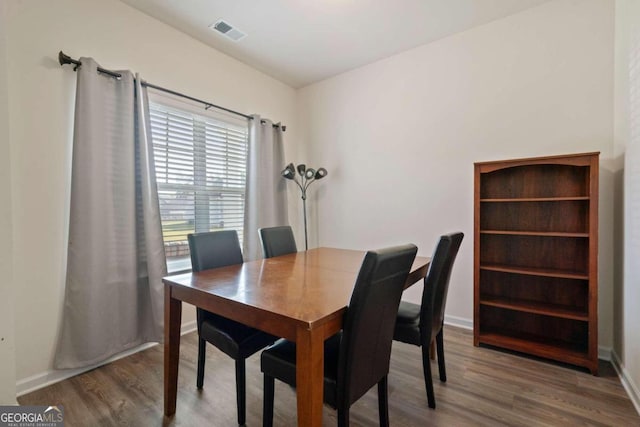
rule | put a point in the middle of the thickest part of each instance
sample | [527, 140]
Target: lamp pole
[304, 211]
[307, 176]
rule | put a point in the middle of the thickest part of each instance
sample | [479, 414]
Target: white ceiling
[300, 42]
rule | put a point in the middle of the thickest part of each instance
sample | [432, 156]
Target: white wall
[41, 95]
[400, 136]
[627, 141]
[7, 342]
[537, 83]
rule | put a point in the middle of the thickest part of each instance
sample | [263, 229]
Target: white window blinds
[200, 163]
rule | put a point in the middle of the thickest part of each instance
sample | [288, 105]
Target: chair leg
[240, 390]
[428, 381]
[383, 402]
[343, 417]
[267, 405]
[440, 346]
[202, 355]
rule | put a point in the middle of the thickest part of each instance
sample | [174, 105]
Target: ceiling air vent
[227, 30]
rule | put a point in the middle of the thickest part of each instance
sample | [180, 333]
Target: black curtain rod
[66, 59]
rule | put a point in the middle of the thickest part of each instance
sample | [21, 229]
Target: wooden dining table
[301, 297]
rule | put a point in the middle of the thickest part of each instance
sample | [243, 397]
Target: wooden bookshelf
[535, 257]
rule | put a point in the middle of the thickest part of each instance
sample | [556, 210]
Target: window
[200, 159]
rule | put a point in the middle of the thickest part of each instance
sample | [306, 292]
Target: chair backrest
[277, 241]
[214, 249]
[365, 349]
[436, 284]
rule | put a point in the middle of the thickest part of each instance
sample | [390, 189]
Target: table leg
[310, 376]
[172, 319]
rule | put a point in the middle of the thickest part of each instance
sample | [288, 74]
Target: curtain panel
[114, 294]
[266, 192]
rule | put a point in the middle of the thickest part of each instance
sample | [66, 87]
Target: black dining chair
[421, 324]
[212, 250]
[277, 241]
[358, 357]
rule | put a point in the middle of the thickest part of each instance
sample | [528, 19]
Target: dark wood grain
[172, 320]
[301, 297]
[535, 256]
[550, 216]
[553, 291]
[484, 388]
[541, 252]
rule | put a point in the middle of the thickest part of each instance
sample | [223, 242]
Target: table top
[304, 289]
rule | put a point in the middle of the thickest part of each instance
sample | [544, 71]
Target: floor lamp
[307, 176]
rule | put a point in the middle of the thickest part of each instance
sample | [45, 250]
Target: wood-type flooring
[484, 387]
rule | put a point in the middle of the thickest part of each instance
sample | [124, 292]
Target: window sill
[178, 264]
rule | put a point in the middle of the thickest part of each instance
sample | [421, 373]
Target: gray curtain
[114, 291]
[266, 193]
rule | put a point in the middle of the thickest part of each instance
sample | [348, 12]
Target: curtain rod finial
[63, 59]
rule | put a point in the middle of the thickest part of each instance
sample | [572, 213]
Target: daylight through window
[200, 163]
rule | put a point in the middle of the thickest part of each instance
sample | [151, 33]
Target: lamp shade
[289, 172]
[310, 173]
[302, 168]
[321, 173]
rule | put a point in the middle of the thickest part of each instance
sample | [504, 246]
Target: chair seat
[236, 340]
[279, 361]
[408, 313]
[407, 328]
